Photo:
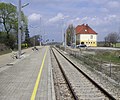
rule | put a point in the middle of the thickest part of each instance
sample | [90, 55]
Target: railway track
[81, 86]
[62, 90]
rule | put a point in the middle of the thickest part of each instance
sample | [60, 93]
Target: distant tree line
[9, 26]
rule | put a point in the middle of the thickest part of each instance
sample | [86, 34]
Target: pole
[34, 41]
[64, 35]
[65, 41]
[75, 39]
[40, 30]
[19, 29]
[40, 39]
[62, 31]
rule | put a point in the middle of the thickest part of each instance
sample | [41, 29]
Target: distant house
[85, 35]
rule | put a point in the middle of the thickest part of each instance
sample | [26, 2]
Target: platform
[18, 80]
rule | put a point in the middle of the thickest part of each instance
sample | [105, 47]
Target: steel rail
[92, 81]
[66, 79]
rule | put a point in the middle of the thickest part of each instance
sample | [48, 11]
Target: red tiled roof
[84, 29]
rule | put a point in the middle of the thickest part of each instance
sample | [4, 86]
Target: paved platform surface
[17, 80]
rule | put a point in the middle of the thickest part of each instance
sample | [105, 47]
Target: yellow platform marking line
[38, 77]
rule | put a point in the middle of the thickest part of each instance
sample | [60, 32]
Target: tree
[34, 41]
[27, 37]
[2, 37]
[112, 38]
[9, 23]
[11, 41]
[8, 16]
[70, 35]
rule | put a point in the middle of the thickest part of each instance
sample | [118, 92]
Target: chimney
[86, 24]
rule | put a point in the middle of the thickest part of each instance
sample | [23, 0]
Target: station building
[85, 35]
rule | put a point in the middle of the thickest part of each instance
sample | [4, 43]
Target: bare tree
[112, 38]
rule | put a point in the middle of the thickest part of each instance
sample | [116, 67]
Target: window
[91, 37]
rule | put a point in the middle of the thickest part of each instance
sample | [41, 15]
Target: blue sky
[50, 18]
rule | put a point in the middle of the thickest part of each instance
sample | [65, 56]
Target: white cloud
[104, 10]
[34, 17]
[98, 1]
[95, 21]
[77, 19]
[58, 17]
[113, 4]
[110, 18]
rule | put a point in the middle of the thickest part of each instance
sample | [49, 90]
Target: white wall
[88, 37]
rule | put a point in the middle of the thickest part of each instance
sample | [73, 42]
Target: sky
[50, 18]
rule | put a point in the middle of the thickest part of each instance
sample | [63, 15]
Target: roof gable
[84, 29]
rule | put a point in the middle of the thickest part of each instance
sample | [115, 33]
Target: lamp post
[64, 35]
[20, 27]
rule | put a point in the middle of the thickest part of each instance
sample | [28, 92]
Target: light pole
[40, 31]
[20, 27]
[63, 34]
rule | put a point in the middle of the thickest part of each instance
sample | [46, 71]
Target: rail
[92, 81]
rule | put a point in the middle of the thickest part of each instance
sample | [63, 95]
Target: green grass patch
[112, 56]
[117, 45]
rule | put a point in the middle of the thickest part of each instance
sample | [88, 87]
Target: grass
[4, 52]
[101, 62]
[117, 45]
[112, 56]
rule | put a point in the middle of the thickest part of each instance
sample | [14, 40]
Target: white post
[19, 29]
[75, 39]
